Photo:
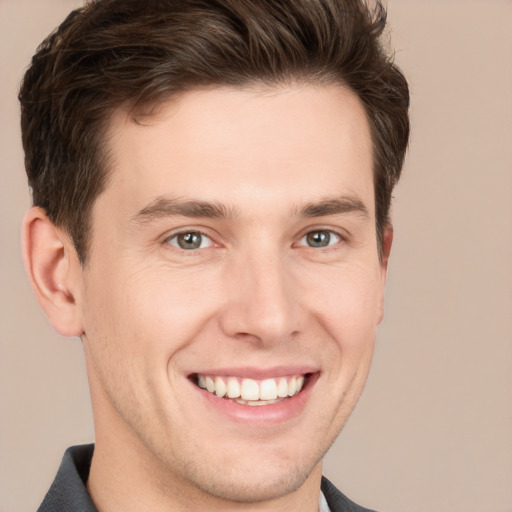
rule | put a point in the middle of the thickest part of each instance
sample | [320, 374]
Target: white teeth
[282, 388]
[250, 391]
[210, 385]
[292, 387]
[233, 387]
[268, 389]
[220, 387]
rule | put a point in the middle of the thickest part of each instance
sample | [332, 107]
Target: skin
[254, 296]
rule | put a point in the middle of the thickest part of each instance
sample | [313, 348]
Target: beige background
[433, 431]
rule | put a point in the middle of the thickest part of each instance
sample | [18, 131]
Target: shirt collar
[322, 504]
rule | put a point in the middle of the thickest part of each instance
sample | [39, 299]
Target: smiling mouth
[252, 392]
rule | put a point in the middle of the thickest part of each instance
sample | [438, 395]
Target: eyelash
[329, 232]
[339, 238]
[176, 237]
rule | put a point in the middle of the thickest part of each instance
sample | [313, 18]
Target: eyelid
[183, 230]
[341, 237]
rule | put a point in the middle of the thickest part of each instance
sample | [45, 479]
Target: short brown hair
[134, 54]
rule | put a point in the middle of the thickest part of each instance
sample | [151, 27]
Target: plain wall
[433, 430]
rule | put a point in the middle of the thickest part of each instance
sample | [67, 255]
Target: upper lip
[255, 373]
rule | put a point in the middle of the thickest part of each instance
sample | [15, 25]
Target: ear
[54, 271]
[387, 241]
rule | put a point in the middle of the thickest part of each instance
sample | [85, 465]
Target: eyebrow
[163, 207]
[335, 206]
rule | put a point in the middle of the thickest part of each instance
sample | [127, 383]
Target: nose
[261, 302]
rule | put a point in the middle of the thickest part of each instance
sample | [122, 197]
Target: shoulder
[337, 501]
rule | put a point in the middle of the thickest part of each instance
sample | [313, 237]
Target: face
[233, 287]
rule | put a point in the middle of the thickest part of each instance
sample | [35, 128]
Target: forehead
[233, 145]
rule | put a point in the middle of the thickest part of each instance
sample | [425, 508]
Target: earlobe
[53, 269]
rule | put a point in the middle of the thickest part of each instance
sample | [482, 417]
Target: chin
[256, 487]
[253, 479]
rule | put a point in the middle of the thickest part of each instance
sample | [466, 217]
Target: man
[211, 184]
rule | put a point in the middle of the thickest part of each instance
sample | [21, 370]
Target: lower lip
[261, 415]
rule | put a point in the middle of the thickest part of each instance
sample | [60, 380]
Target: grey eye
[190, 240]
[320, 238]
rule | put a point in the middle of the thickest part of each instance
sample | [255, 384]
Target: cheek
[136, 325]
[149, 314]
[346, 299]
